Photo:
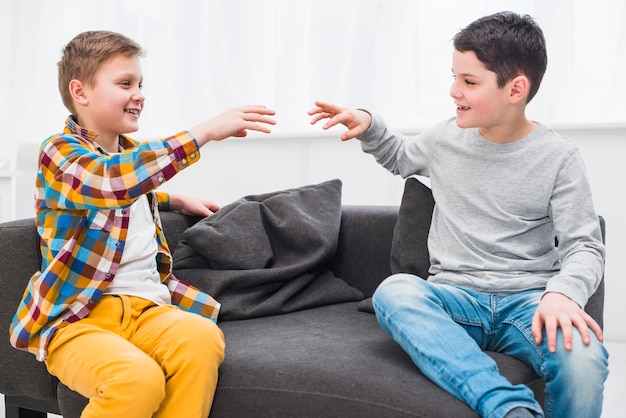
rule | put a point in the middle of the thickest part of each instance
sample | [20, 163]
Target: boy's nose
[454, 91]
[138, 96]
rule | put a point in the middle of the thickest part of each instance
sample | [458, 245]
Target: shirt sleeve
[163, 200]
[577, 227]
[400, 154]
[74, 174]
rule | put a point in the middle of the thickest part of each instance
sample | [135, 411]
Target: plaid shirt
[82, 197]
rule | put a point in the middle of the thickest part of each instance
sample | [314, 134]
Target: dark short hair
[86, 53]
[509, 44]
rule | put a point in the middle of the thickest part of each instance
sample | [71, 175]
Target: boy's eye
[469, 83]
[125, 83]
[140, 86]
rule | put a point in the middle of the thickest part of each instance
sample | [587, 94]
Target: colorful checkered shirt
[82, 198]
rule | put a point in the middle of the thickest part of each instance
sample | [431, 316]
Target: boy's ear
[520, 86]
[77, 91]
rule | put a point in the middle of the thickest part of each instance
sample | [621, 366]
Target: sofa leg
[13, 411]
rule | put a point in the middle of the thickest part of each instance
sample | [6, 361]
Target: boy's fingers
[537, 328]
[551, 328]
[566, 330]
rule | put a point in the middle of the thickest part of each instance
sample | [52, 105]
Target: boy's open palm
[357, 121]
[557, 310]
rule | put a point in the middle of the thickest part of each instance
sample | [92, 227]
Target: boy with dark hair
[105, 313]
[504, 187]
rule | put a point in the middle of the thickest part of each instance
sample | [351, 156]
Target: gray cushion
[409, 248]
[268, 254]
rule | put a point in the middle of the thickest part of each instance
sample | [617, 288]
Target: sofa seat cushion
[327, 361]
[331, 361]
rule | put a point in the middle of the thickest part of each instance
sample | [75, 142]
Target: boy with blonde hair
[504, 188]
[105, 312]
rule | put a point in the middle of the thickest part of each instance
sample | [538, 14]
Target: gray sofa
[324, 361]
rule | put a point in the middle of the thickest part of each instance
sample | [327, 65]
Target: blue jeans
[445, 329]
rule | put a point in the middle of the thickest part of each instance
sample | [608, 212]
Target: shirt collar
[72, 127]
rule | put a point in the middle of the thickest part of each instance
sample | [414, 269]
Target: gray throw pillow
[409, 248]
[268, 254]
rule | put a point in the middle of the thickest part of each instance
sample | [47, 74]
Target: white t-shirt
[137, 274]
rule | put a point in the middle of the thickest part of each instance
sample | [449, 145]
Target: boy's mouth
[459, 107]
[132, 111]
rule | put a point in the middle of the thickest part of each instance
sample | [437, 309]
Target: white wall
[392, 56]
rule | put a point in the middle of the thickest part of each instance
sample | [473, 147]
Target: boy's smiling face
[480, 102]
[113, 104]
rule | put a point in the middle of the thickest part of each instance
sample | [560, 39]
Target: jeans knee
[396, 286]
[576, 378]
[397, 292]
[584, 363]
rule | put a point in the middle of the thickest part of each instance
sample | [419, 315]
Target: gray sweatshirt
[499, 208]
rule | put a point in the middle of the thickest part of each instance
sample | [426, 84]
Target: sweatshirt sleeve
[400, 154]
[580, 246]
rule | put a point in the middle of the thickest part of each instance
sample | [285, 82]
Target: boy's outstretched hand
[357, 121]
[558, 311]
[234, 122]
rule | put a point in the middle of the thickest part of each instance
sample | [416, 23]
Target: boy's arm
[398, 153]
[73, 174]
[582, 258]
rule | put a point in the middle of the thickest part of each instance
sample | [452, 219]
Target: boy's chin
[464, 124]
[131, 129]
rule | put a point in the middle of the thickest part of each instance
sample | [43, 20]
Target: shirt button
[118, 245]
[184, 161]
[108, 275]
[123, 211]
[193, 156]
[160, 179]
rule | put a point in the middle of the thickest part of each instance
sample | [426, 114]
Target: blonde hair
[86, 53]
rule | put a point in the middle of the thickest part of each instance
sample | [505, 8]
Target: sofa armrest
[21, 373]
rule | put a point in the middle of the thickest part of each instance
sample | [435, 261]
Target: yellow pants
[132, 358]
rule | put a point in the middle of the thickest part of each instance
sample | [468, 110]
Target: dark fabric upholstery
[20, 373]
[365, 235]
[331, 361]
[370, 374]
